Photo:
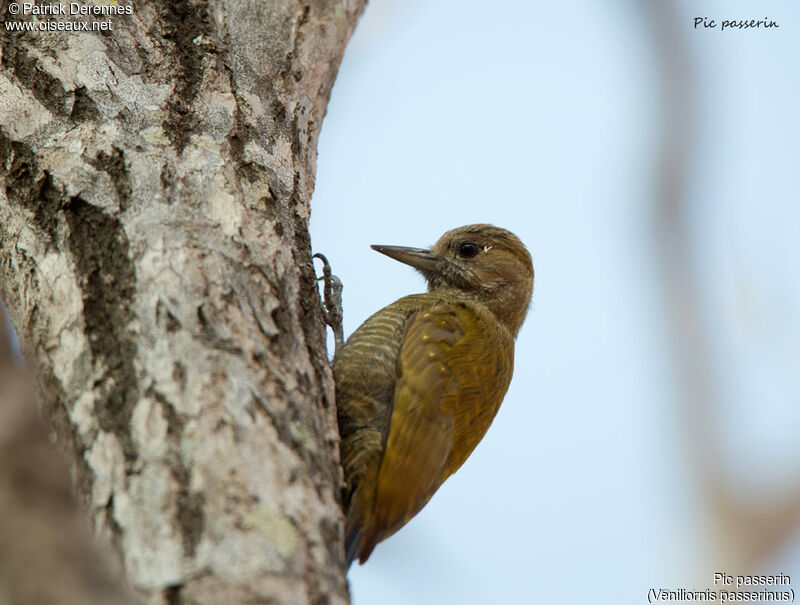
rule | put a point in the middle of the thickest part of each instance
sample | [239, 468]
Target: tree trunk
[155, 258]
[42, 534]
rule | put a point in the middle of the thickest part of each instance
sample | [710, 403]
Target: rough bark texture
[42, 533]
[155, 259]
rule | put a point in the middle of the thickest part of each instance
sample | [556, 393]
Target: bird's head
[483, 262]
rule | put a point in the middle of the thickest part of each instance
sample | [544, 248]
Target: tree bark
[46, 551]
[155, 258]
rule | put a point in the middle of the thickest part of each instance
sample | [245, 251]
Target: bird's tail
[352, 535]
[351, 544]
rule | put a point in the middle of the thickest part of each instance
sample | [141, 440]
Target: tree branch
[46, 551]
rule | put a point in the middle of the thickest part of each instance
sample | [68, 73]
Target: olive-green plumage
[419, 382]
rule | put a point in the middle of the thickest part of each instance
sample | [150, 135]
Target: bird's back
[417, 386]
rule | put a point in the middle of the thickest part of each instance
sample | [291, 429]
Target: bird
[419, 382]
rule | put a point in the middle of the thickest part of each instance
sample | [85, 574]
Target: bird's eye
[468, 249]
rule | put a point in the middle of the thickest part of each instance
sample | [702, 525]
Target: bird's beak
[419, 258]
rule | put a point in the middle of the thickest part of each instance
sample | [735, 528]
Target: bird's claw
[332, 297]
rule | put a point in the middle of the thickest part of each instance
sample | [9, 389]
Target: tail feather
[358, 544]
[351, 544]
[352, 533]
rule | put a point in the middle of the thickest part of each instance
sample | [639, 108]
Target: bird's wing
[421, 434]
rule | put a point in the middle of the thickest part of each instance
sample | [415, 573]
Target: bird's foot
[332, 296]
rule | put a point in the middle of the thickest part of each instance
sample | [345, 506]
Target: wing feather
[437, 393]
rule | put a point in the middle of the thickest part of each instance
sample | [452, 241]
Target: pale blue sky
[540, 117]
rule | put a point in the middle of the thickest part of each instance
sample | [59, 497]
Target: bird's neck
[509, 303]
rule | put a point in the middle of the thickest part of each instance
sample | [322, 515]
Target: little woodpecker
[419, 382]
